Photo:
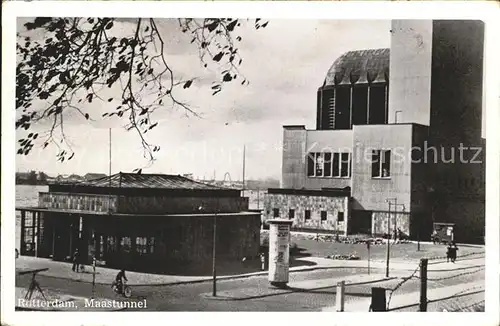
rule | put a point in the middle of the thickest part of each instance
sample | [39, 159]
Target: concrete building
[142, 222]
[391, 124]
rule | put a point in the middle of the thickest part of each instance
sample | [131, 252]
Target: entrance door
[361, 222]
[62, 238]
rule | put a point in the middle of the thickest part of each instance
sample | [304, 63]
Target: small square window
[307, 214]
[276, 212]
[340, 217]
[291, 214]
[323, 215]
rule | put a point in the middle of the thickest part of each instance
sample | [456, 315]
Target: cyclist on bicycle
[118, 279]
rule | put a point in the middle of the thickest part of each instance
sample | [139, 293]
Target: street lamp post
[389, 201]
[214, 269]
[214, 248]
[388, 254]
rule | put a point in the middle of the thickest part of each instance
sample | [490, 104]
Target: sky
[285, 64]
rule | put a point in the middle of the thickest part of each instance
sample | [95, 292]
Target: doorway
[361, 222]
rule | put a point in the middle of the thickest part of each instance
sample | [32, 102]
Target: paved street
[196, 297]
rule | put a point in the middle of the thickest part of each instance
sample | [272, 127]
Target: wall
[398, 220]
[182, 244]
[180, 205]
[410, 71]
[421, 178]
[456, 116]
[371, 193]
[457, 74]
[293, 164]
[83, 202]
[301, 203]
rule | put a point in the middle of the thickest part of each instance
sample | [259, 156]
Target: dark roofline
[91, 183]
[294, 127]
[114, 214]
[325, 192]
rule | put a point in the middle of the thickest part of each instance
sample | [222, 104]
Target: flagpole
[244, 167]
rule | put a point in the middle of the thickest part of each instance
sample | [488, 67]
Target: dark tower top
[355, 90]
[360, 67]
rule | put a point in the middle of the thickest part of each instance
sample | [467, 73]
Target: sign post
[93, 275]
[368, 247]
[279, 251]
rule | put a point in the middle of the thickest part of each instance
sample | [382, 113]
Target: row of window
[143, 245]
[339, 165]
[307, 214]
[334, 165]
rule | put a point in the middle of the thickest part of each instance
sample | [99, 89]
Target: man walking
[76, 261]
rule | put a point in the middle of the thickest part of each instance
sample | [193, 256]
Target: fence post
[340, 295]
[423, 284]
[378, 300]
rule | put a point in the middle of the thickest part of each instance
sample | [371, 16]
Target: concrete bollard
[340, 296]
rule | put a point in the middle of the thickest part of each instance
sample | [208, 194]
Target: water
[26, 196]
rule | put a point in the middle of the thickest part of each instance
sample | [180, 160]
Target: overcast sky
[285, 64]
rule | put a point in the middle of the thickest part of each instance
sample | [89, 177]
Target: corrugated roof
[152, 181]
[359, 67]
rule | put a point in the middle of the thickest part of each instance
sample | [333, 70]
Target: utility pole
[389, 201]
[214, 269]
[388, 238]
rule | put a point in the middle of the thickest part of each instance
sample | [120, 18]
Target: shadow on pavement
[248, 265]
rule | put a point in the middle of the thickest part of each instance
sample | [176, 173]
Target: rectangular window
[310, 164]
[151, 244]
[323, 215]
[336, 164]
[141, 245]
[340, 217]
[307, 214]
[276, 212]
[125, 244]
[376, 164]
[344, 165]
[291, 214]
[328, 164]
[110, 243]
[386, 164]
[319, 164]
[381, 164]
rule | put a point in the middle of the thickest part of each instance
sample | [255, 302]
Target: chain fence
[403, 281]
[414, 275]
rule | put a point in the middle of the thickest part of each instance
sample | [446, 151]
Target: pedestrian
[76, 261]
[449, 250]
[454, 250]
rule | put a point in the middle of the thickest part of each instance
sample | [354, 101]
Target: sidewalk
[107, 275]
[302, 286]
[404, 300]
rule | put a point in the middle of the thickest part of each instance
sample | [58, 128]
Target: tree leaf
[43, 95]
[187, 84]
[218, 56]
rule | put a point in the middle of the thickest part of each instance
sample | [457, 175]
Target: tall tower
[410, 71]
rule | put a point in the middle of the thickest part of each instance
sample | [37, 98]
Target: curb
[209, 278]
